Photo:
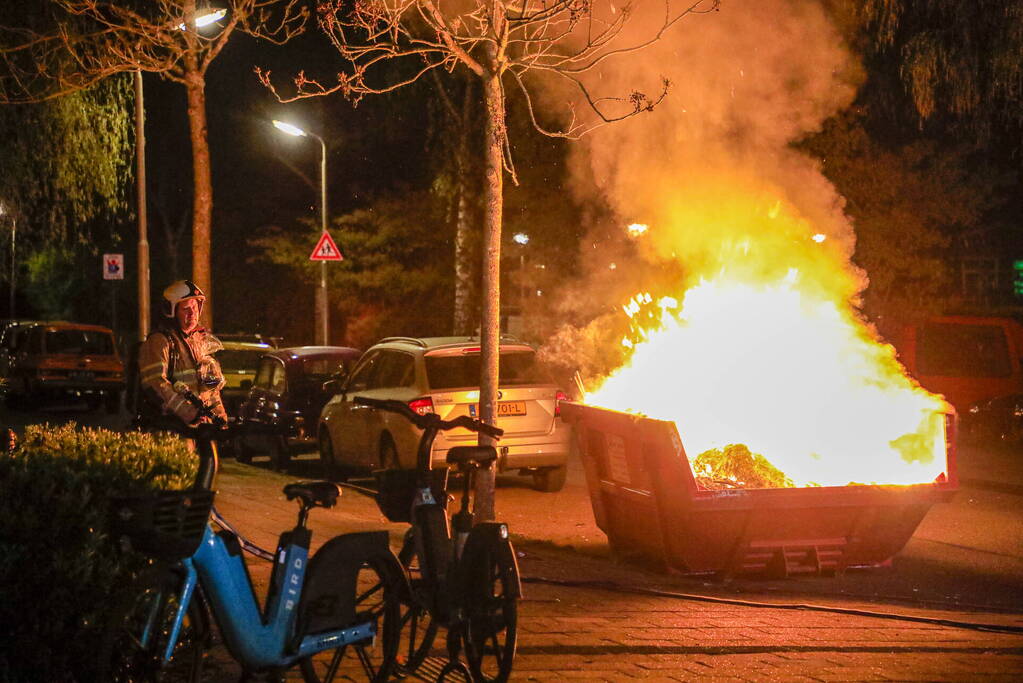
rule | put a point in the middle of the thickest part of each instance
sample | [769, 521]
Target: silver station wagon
[441, 375]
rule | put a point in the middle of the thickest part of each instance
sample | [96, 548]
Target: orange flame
[781, 364]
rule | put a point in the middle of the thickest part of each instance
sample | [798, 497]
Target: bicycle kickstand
[452, 666]
[455, 663]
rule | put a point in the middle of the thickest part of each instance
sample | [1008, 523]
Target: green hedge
[59, 566]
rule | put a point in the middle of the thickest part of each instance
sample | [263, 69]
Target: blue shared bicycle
[335, 615]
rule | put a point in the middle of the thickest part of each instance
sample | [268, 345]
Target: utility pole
[140, 191]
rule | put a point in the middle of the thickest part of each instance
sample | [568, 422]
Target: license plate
[82, 376]
[504, 408]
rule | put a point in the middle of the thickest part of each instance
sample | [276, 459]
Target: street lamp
[322, 320]
[205, 17]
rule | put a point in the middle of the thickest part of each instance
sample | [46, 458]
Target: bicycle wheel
[378, 599]
[492, 614]
[136, 633]
[418, 629]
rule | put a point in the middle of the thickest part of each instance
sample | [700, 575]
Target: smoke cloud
[711, 170]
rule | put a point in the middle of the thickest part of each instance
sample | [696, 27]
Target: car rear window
[322, 367]
[79, 342]
[450, 372]
[953, 350]
[236, 360]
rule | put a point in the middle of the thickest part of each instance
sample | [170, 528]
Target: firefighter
[179, 355]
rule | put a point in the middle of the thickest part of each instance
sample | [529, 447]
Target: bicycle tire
[151, 602]
[418, 629]
[378, 598]
[491, 611]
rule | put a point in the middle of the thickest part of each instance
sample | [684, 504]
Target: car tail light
[423, 406]
[558, 398]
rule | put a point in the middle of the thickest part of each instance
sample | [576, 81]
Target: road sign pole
[325, 250]
[321, 303]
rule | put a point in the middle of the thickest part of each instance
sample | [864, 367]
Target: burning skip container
[647, 501]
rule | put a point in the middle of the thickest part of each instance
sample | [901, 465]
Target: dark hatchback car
[992, 421]
[284, 403]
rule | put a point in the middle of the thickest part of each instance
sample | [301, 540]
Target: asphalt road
[967, 553]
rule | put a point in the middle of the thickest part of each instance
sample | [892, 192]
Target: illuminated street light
[322, 322]
[819, 237]
[637, 229]
[208, 17]
[521, 238]
[289, 129]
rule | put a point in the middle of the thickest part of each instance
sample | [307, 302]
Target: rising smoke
[712, 169]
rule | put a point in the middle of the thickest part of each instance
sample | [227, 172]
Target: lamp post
[14, 268]
[522, 239]
[322, 320]
[140, 191]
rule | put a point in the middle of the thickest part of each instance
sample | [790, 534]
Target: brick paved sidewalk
[586, 633]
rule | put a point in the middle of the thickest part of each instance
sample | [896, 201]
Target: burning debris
[745, 325]
[734, 466]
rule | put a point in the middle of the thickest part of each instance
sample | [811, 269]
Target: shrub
[59, 566]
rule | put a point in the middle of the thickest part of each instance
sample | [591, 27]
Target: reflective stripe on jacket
[154, 357]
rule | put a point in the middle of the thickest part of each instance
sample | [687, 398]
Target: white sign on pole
[113, 266]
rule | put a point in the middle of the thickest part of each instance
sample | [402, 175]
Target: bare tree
[500, 42]
[88, 40]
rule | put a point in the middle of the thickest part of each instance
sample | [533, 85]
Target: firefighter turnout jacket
[182, 354]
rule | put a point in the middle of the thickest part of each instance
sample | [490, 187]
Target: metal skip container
[647, 501]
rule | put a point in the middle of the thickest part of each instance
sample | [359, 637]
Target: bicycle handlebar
[429, 419]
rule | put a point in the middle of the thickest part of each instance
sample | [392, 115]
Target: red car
[61, 360]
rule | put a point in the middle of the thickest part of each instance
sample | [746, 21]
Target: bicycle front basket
[167, 525]
[396, 489]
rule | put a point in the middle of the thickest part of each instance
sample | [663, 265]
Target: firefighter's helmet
[179, 291]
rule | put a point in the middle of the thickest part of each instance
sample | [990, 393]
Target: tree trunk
[490, 328]
[463, 226]
[202, 198]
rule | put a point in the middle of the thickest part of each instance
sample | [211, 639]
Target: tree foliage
[396, 273]
[909, 203]
[958, 62]
[67, 164]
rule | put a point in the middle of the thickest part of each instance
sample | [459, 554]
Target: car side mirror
[246, 384]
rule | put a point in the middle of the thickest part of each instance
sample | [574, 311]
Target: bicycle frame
[256, 639]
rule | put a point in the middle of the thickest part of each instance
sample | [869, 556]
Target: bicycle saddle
[461, 455]
[314, 493]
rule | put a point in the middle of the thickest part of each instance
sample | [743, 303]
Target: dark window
[396, 370]
[31, 340]
[950, 350]
[322, 368]
[80, 342]
[264, 374]
[239, 360]
[362, 378]
[278, 384]
[450, 372]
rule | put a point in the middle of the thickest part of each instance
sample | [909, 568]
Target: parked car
[286, 397]
[967, 359]
[441, 375]
[9, 331]
[994, 420]
[63, 360]
[239, 361]
[250, 338]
